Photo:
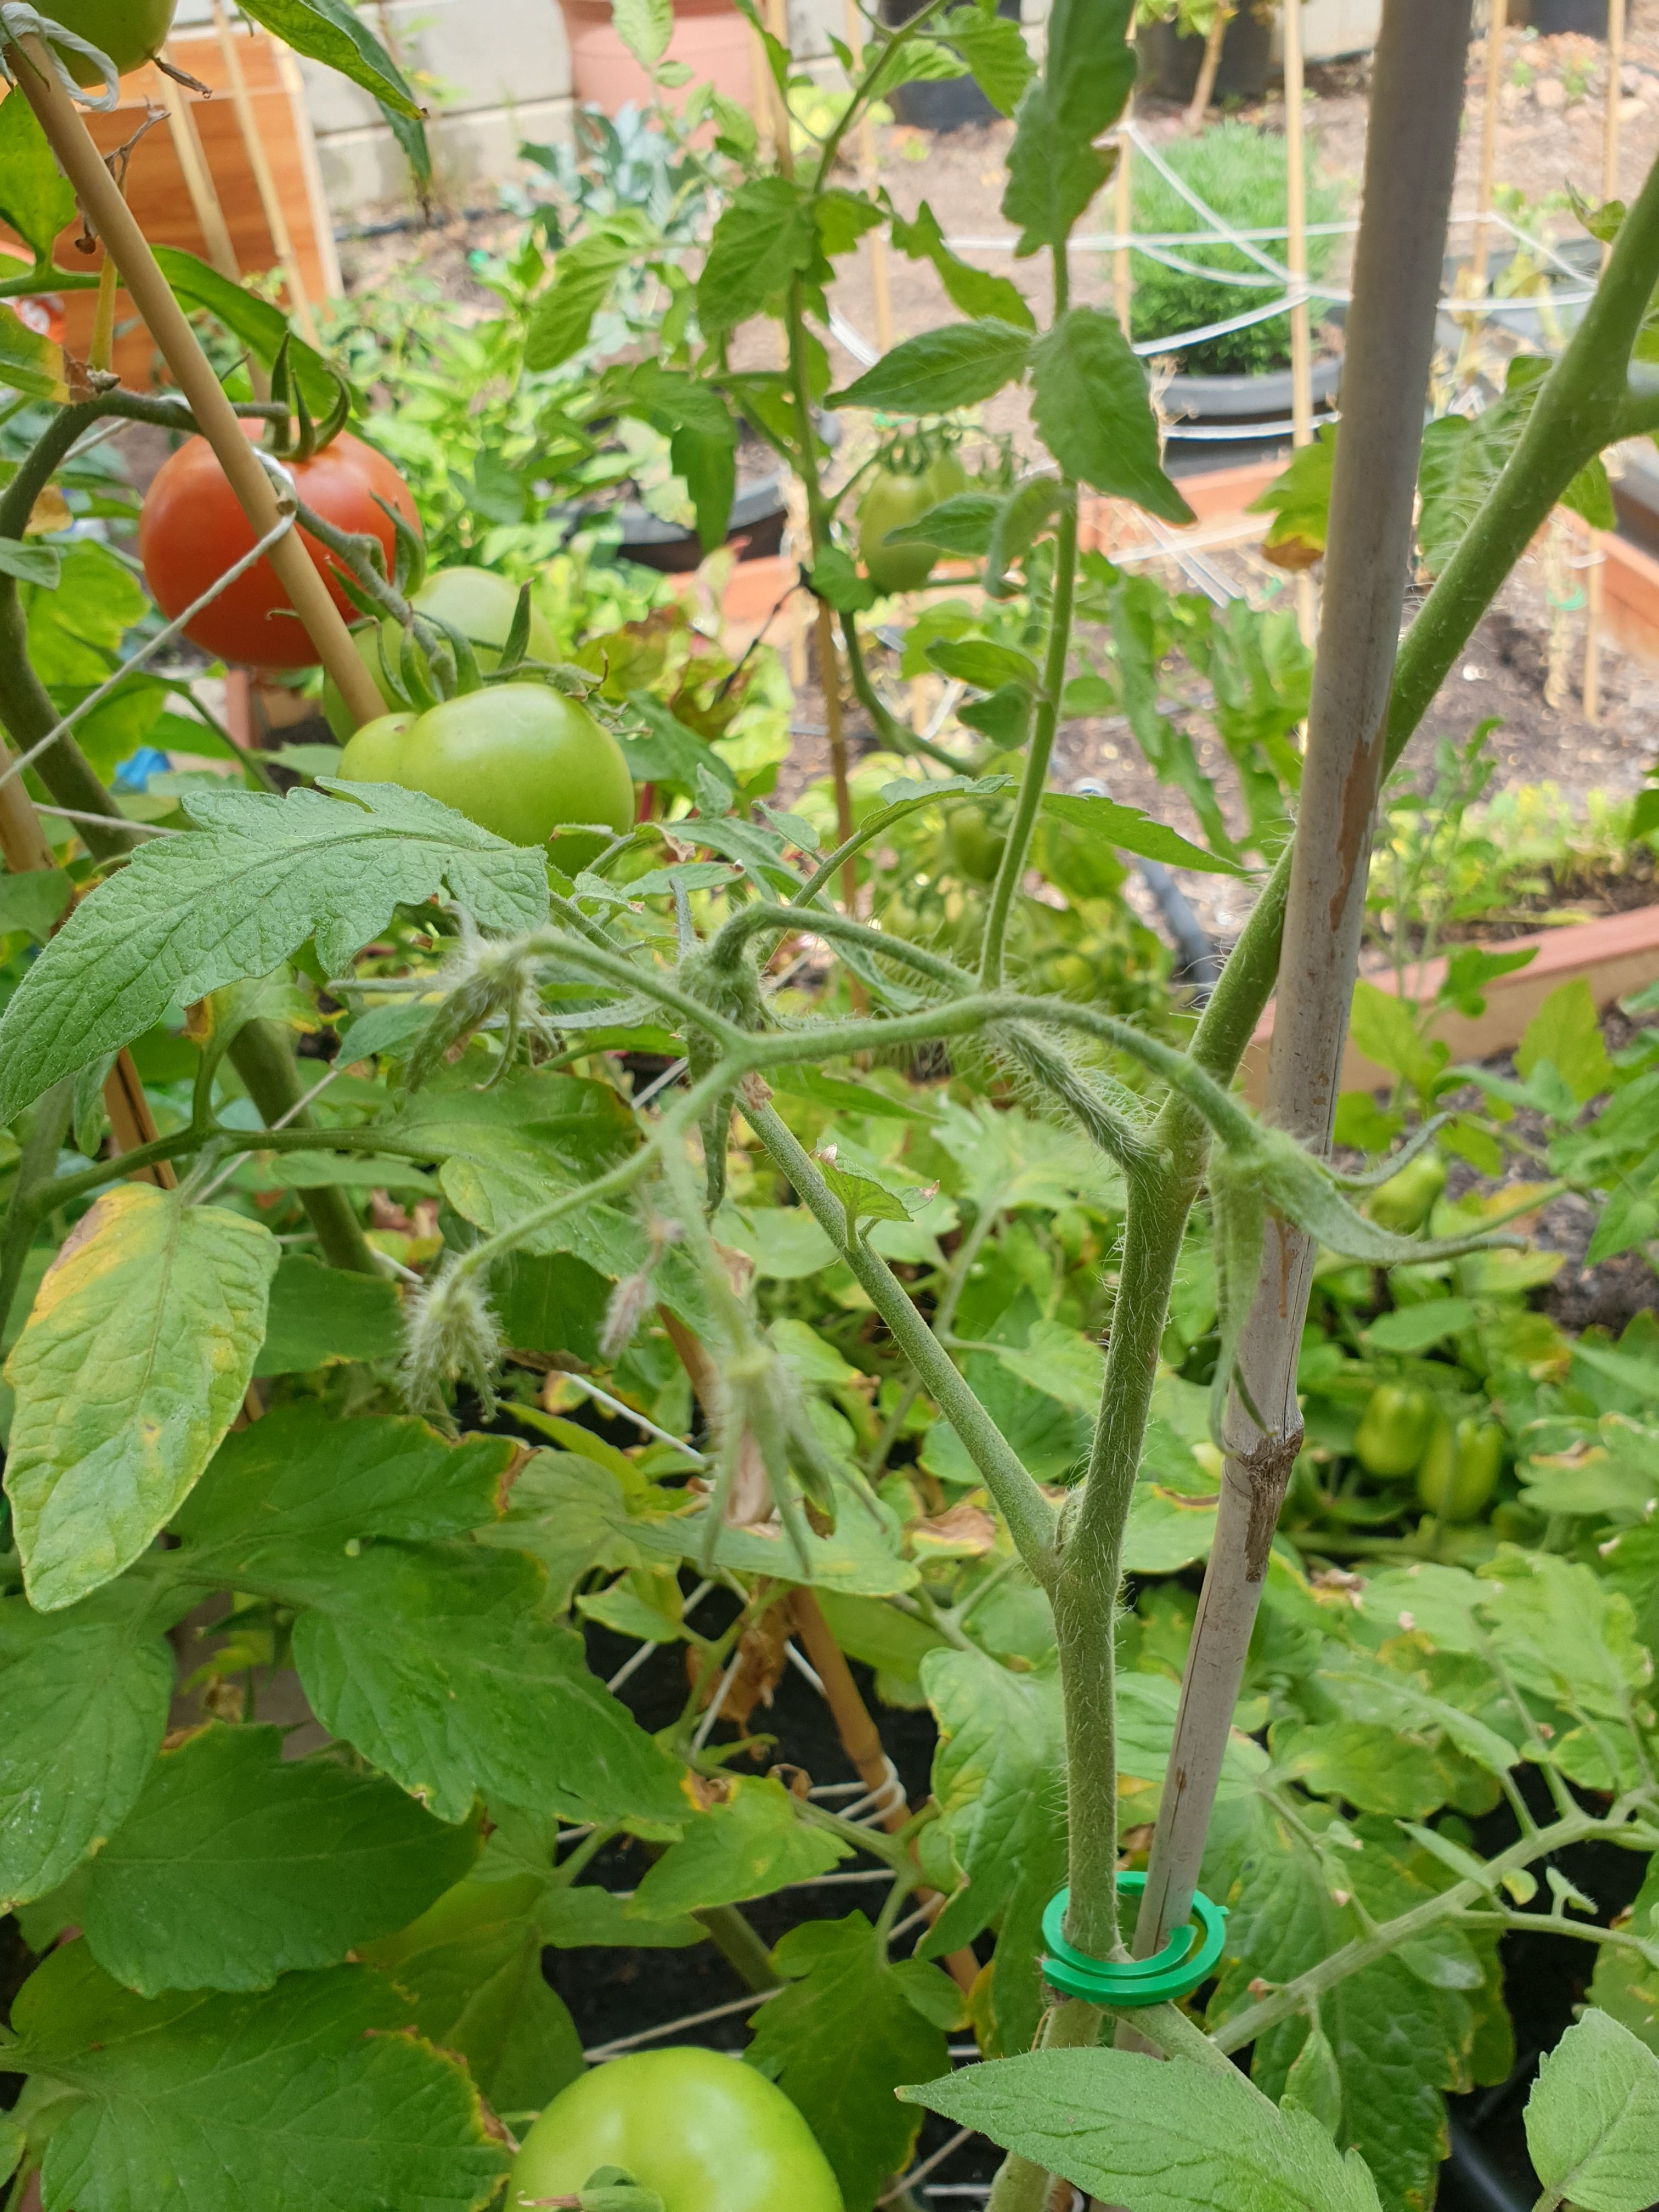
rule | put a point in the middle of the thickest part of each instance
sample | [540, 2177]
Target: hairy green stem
[1035, 780]
[1030, 1518]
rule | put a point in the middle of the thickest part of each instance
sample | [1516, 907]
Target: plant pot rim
[1242, 398]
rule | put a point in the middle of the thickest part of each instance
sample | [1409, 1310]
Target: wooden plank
[159, 196]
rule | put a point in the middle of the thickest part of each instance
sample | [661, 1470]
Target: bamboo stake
[830, 677]
[270, 200]
[83, 165]
[867, 142]
[1497, 15]
[198, 179]
[1296, 257]
[1594, 573]
[1123, 217]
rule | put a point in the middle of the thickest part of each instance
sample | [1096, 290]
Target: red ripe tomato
[191, 530]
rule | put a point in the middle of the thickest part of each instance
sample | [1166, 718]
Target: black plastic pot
[1587, 17]
[758, 516]
[953, 105]
[1170, 63]
[1224, 422]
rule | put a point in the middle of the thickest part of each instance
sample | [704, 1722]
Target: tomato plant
[191, 530]
[803, 1238]
[706, 2133]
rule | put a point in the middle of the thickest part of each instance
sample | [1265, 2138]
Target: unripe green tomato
[1459, 1470]
[375, 754]
[706, 2132]
[974, 844]
[479, 603]
[523, 761]
[1405, 1202]
[892, 500]
[129, 31]
[1393, 1431]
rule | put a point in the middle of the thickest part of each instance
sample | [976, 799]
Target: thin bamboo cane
[866, 144]
[270, 200]
[83, 165]
[1594, 573]
[198, 179]
[1497, 15]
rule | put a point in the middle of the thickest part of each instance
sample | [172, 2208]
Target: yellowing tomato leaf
[752, 1843]
[131, 1368]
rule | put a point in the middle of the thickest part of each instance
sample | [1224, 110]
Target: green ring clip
[1175, 1972]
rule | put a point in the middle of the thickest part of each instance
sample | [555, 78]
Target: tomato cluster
[897, 496]
[475, 601]
[1403, 1432]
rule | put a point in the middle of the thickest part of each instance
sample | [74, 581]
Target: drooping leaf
[131, 1368]
[563, 316]
[1593, 2118]
[236, 1866]
[940, 370]
[994, 48]
[332, 31]
[751, 1843]
[434, 1660]
[304, 2096]
[1299, 502]
[972, 291]
[36, 199]
[85, 1693]
[765, 237]
[1091, 406]
[846, 2033]
[1132, 831]
[1161, 2134]
[473, 1964]
[259, 324]
[1055, 166]
[187, 916]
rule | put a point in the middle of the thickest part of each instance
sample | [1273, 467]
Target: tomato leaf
[31, 365]
[839, 2041]
[1593, 2118]
[170, 2097]
[187, 916]
[332, 31]
[753, 1843]
[1055, 167]
[940, 370]
[563, 316]
[1163, 2135]
[973, 291]
[765, 237]
[1091, 409]
[85, 1693]
[130, 1370]
[262, 326]
[1299, 502]
[321, 1316]
[1132, 831]
[36, 198]
[645, 26]
[473, 1964]
[236, 1865]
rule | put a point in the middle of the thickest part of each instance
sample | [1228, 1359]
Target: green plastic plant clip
[1175, 1972]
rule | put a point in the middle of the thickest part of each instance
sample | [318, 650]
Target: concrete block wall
[500, 73]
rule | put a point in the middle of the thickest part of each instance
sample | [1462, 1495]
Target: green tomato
[706, 2132]
[1459, 1470]
[375, 754]
[891, 500]
[1393, 1431]
[479, 603]
[974, 843]
[129, 31]
[1405, 1202]
[522, 760]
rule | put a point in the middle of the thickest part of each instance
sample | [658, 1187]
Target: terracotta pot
[710, 37]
